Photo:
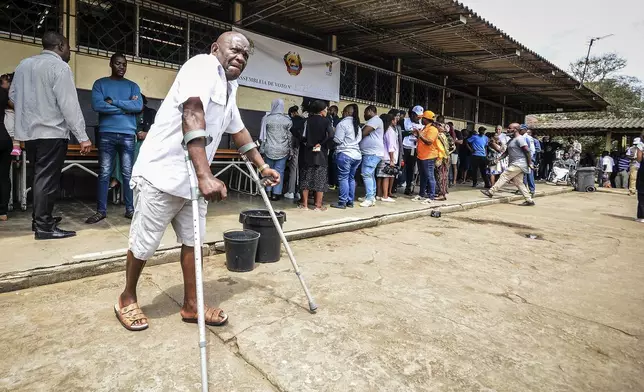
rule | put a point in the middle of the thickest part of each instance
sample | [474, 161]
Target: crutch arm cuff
[247, 147]
[196, 134]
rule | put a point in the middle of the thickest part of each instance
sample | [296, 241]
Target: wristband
[263, 167]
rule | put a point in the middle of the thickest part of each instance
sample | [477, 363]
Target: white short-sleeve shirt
[161, 158]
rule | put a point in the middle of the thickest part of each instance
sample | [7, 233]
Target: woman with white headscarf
[275, 136]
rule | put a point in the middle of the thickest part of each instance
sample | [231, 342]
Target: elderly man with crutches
[199, 108]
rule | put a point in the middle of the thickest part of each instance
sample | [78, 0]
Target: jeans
[279, 165]
[427, 179]
[369, 164]
[528, 180]
[110, 144]
[47, 157]
[347, 168]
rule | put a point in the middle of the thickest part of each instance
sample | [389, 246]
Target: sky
[559, 30]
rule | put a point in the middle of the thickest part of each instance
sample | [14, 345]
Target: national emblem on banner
[293, 63]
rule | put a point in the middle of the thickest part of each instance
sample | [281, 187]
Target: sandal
[323, 208]
[210, 315]
[129, 315]
[302, 207]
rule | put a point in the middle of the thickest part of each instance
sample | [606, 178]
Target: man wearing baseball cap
[427, 154]
[410, 142]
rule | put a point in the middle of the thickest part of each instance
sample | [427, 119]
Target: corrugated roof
[592, 124]
[432, 44]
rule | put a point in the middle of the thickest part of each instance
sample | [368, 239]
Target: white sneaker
[388, 200]
[378, 198]
[426, 201]
[639, 220]
[289, 195]
[417, 198]
[368, 203]
[361, 199]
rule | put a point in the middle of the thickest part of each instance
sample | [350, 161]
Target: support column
[609, 141]
[333, 43]
[476, 107]
[443, 95]
[398, 69]
[503, 113]
[188, 41]
[238, 12]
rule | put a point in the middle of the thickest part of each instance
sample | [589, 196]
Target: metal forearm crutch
[261, 184]
[194, 197]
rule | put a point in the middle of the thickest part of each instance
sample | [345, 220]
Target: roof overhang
[446, 40]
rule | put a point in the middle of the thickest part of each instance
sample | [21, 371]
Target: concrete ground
[466, 302]
[109, 238]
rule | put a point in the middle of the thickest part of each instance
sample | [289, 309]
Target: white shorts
[154, 210]
[454, 159]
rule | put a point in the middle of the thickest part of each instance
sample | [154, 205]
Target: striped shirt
[622, 164]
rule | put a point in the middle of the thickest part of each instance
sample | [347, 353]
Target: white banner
[279, 66]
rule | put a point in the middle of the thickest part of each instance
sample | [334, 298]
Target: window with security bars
[385, 88]
[347, 79]
[201, 37]
[162, 37]
[28, 20]
[406, 99]
[106, 26]
[366, 84]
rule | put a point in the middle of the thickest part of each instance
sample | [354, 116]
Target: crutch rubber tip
[313, 307]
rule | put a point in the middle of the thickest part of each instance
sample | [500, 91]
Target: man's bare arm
[528, 156]
[241, 139]
[193, 118]
[367, 130]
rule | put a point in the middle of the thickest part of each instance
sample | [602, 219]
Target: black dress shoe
[54, 234]
[95, 218]
[57, 220]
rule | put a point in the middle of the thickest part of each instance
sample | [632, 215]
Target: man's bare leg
[189, 308]
[133, 268]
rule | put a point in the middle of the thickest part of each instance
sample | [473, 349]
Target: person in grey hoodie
[275, 136]
[347, 138]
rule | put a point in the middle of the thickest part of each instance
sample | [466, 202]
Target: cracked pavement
[464, 302]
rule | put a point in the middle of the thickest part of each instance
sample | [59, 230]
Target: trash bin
[585, 179]
[241, 248]
[268, 249]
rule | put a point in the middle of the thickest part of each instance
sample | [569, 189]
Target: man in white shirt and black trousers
[202, 98]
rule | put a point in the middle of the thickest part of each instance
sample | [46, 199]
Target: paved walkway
[108, 239]
[461, 303]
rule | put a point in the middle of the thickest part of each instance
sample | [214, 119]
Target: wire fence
[147, 31]
[27, 20]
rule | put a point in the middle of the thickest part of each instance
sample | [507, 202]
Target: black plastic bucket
[268, 250]
[241, 247]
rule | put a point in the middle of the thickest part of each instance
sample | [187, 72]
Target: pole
[194, 196]
[583, 74]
